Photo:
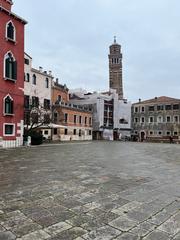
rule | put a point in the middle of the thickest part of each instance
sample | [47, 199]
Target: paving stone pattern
[90, 190]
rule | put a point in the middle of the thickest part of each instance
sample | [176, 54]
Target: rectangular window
[168, 107]
[47, 103]
[142, 109]
[176, 119]
[142, 120]
[55, 131]
[55, 117]
[65, 117]
[9, 129]
[160, 107]
[80, 119]
[26, 61]
[159, 119]
[85, 120]
[74, 132]
[168, 119]
[135, 120]
[65, 131]
[90, 121]
[90, 132]
[151, 108]
[151, 119]
[176, 107]
[26, 102]
[46, 132]
[35, 101]
[75, 118]
[136, 109]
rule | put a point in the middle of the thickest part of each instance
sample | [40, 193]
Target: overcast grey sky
[72, 38]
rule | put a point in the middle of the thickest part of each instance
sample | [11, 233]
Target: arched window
[34, 79]
[8, 105]
[10, 31]
[47, 83]
[10, 67]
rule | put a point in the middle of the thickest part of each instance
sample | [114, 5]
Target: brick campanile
[115, 68]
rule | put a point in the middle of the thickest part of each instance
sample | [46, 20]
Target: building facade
[115, 69]
[156, 119]
[37, 95]
[71, 122]
[111, 116]
[11, 76]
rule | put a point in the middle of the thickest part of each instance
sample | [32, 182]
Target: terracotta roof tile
[162, 99]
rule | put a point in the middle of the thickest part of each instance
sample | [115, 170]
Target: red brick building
[11, 76]
[75, 121]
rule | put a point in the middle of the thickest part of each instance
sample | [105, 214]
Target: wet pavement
[84, 191]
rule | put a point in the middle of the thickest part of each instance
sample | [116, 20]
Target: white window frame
[150, 118]
[4, 68]
[135, 120]
[170, 119]
[142, 108]
[177, 119]
[161, 119]
[142, 118]
[8, 114]
[9, 135]
[14, 31]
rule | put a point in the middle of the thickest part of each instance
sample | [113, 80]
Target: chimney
[40, 69]
[57, 80]
[50, 72]
[139, 100]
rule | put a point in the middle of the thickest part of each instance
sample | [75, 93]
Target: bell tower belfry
[115, 68]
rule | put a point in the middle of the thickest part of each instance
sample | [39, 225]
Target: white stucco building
[37, 90]
[111, 116]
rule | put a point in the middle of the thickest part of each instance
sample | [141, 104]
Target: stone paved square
[93, 190]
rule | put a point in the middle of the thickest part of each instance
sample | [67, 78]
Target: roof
[27, 55]
[13, 14]
[159, 100]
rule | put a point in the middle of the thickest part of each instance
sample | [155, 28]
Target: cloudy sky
[72, 38]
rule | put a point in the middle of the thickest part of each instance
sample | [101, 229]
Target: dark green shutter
[14, 70]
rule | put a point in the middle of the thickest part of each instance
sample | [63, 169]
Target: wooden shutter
[14, 70]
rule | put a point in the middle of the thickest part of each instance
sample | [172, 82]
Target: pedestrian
[171, 139]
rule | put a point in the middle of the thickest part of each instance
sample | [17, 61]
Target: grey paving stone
[37, 235]
[103, 233]
[7, 236]
[143, 229]
[89, 187]
[128, 236]
[57, 228]
[158, 235]
[172, 225]
[123, 223]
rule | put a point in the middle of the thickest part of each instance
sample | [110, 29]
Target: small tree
[35, 118]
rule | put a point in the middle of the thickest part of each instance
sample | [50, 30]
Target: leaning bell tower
[115, 68]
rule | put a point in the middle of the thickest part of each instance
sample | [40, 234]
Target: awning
[52, 125]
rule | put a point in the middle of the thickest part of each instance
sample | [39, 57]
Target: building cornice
[13, 15]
